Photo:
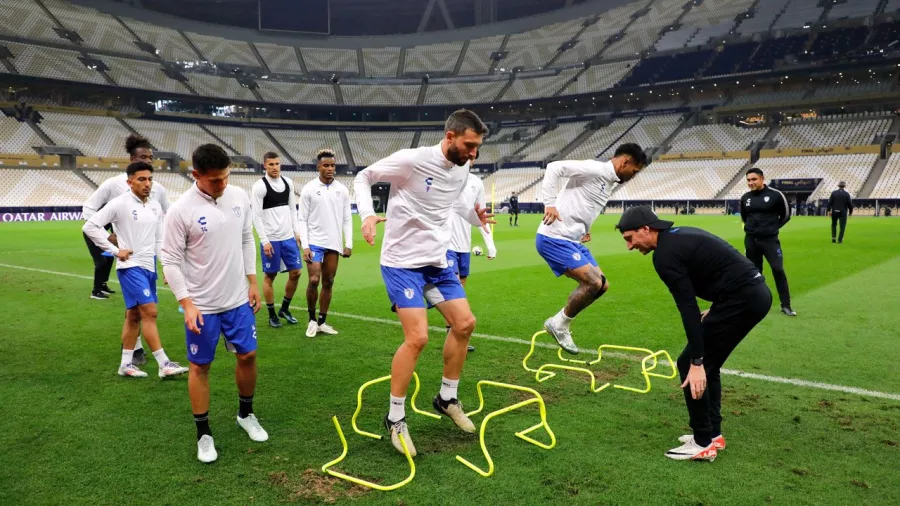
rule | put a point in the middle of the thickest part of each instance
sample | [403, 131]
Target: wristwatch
[697, 361]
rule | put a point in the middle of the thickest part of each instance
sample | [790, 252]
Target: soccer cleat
[139, 358]
[99, 295]
[275, 323]
[130, 371]
[327, 329]
[562, 335]
[788, 311]
[288, 316]
[470, 349]
[105, 289]
[172, 369]
[206, 449]
[312, 328]
[399, 429]
[254, 430]
[692, 451]
[454, 410]
[718, 441]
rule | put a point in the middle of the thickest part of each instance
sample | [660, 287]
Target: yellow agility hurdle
[384, 488]
[648, 366]
[537, 399]
[366, 385]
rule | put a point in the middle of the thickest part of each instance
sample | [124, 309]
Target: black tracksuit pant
[835, 218]
[726, 324]
[102, 264]
[769, 247]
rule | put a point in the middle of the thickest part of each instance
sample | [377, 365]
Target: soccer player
[694, 263]
[426, 183]
[324, 215]
[275, 219]
[764, 211]
[209, 259]
[459, 253]
[139, 150]
[513, 209]
[137, 222]
[568, 216]
[840, 205]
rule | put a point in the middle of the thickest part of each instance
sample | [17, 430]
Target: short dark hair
[464, 119]
[756, 171]
[325, 153]
[210, 157]
[133, 142]
[634, 151]
[136, 167]
[270, 155]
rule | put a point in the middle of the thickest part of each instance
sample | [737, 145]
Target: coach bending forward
[694, 263]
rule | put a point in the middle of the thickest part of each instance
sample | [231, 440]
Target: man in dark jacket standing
[764, 211]
[840, 205]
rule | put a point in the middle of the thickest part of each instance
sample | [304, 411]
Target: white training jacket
[425, 189]
[325, 216]
[590, 183]
[115, 186]
[278, 223]
[208, 249]
[460, 229]
[138, 227]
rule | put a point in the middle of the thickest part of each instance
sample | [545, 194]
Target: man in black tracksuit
[764, 211]
[840, 205]
[514, 209]
[694, 263]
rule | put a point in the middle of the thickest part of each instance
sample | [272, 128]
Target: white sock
[448, 388]
[127, 356]
[398, 409]
[160, 356]
[138, 345]
[562, 319]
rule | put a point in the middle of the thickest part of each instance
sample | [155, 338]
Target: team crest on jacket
[237, 211]
[765, 199]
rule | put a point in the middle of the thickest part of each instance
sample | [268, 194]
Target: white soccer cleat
[172, 369]
[312, 328]
[399, 429]
[206, 449]
[692, 451]
[718, 441]
[254, 430]
[327, 329]
[454, 411]
[562, 335]
[131, 371]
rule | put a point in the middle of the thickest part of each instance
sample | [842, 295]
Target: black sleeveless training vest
[273, 198]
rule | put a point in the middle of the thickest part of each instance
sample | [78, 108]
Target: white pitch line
[730, 372]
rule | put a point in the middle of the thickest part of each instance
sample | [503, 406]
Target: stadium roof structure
[372, 17]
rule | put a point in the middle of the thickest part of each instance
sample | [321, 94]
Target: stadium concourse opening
[295, 172]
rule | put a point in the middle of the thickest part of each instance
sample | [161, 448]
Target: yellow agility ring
[648, 366]
[359, 395]
[385, 488]
[537, 399]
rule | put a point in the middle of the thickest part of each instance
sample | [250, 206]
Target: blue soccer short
[459, 262]
[138, 286]
[285, 257]
[319, 253]
[238, 325]
[562, 255]
[412, 288]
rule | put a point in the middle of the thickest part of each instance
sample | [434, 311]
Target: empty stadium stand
[680, 180]
[853, 169]
[716, 138]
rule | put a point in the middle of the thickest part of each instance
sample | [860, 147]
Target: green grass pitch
[74, 432]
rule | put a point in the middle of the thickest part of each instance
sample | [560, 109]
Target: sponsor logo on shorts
[146, 292]
[194, 349]
[576, 256]
[408, 292]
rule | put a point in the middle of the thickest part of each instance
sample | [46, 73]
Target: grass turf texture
[75, 432]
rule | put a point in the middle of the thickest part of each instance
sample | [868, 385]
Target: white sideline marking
[730, 372]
